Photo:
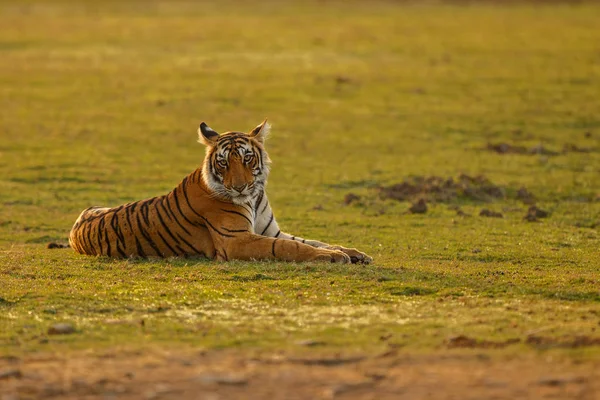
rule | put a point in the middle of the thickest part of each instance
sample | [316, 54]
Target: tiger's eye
[222, 163]
[248, 158]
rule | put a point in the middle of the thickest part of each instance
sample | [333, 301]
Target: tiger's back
[152, 227]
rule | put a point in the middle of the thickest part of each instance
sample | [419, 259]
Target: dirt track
[227, 375]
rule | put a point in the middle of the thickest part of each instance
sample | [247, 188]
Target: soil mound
[444, 190]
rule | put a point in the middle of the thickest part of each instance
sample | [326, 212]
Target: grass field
[99, 105]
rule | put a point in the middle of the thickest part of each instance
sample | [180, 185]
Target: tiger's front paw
[355, 255]
[334, 256]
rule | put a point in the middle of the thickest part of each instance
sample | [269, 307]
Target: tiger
[219, 211]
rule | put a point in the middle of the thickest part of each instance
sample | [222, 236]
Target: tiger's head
[236, 165]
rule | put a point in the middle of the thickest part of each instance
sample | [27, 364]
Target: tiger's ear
[207, 135]
[261, 132]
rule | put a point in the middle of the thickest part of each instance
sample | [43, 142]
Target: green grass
[100, 103]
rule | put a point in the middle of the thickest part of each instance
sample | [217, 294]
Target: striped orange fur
[219, 211]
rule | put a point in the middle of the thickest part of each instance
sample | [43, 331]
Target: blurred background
[100, 101]
[375, 105]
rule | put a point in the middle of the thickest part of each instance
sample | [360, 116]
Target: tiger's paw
[356, 257]
[334, 256]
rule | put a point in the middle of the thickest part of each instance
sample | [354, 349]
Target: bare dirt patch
[227, 374]
[569, 342]
[463, 341]
[444, 190]
[490, 214]
[505, 148]
[534, 214]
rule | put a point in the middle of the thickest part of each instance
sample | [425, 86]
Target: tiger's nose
[240, 188]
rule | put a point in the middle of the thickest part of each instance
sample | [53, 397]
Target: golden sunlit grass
[100, 103]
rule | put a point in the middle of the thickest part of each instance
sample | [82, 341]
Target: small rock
[342, 80]
[534, 213]
[419, 207]
[61, 329]
[11, 373]
[350, 198]
[573, 148]
[318, 207]
[530, 218]
[538, 212]
[525, 195]
[385, 337]
[588, 134]
[488, 213]
[505, 148]
[475, 251]
[53, 245]
[461, 341]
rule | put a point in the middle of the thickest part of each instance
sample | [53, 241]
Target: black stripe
[225, 255]
[179, 207]
[114, 223]
[99, 234]
[234, 230]
[121, 252]
[265, 207]
[165, 227]
[249, 208]
[108, 250]
[259, 199]
[215, 229]
[128, 211]
[273, 248]
[139, 248]
[93, 248]
[303, 240]
[212, 168]
[268, 225]
[84, 234]
[164, 209]
[147, 237]
[190, 246]
[163, 239]
[187, 200]
[238, 213]
[177, 219]
[144, 211]
[194, 177]
[278, 233]
[293, 238]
